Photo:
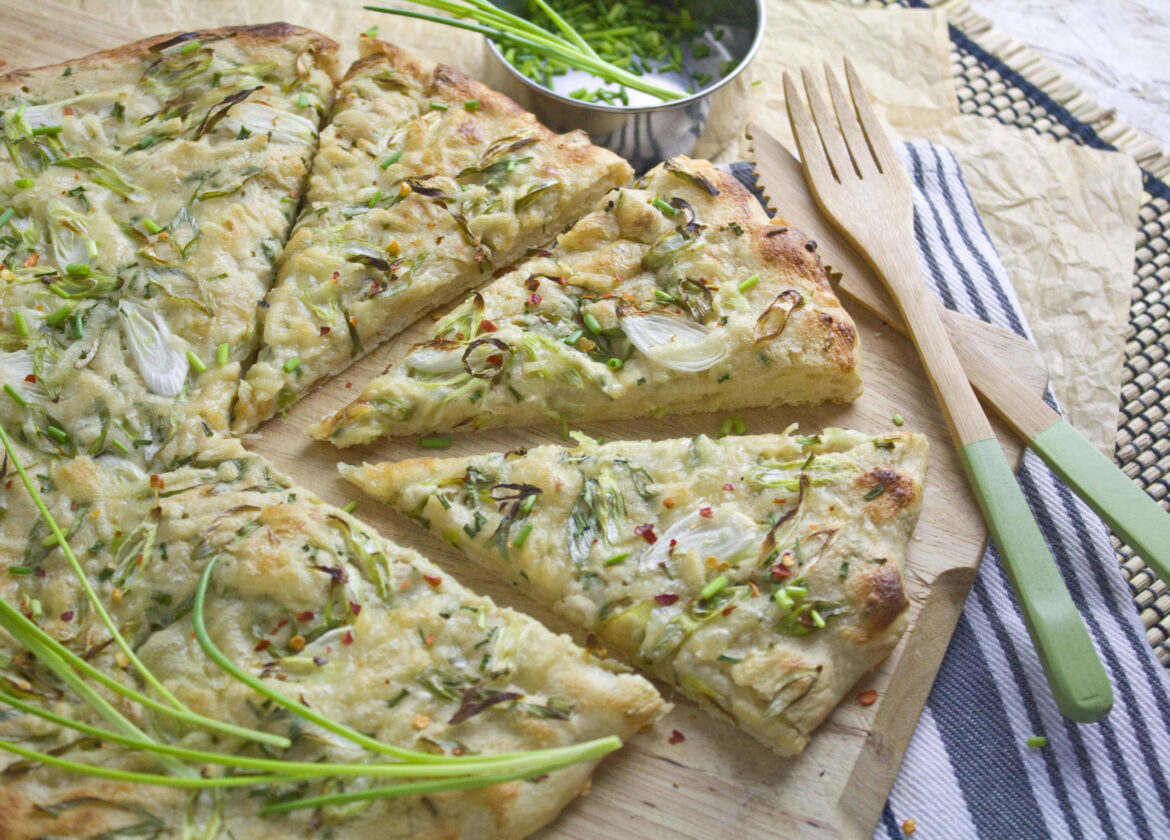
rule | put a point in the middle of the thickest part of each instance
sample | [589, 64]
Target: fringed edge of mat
[1146, 150]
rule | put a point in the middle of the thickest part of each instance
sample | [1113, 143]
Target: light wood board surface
[718, 784]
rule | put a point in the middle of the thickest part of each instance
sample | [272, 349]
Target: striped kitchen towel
[968, 771]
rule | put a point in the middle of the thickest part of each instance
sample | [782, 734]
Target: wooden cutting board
[717, 783]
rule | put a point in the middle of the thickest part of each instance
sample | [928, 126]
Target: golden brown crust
[255, 35]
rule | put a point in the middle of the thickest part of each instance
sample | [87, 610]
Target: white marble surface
[1118, 51]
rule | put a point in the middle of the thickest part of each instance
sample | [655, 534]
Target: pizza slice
[675, 295]
[760, 575]
[147, 191]
[426, 183]
[312, 604]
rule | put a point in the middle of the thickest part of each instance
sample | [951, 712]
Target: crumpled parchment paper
[1063, 217]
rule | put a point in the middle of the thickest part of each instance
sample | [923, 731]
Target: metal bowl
[647, 130]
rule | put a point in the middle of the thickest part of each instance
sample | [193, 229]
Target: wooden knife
[1137, 519]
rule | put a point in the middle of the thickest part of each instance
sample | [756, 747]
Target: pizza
[674, 295]
[148, 191]
[309, 600]
[426, 183]
[759, 575]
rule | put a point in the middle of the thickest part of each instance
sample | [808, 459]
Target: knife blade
[1137, 519]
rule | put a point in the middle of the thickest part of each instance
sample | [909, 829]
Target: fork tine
[879, 141]
[808, 143]
[855, 140]
[834, 146]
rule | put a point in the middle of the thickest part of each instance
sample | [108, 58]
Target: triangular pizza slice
[674, 295]
[146, 193]
[761, 575]
[426, 182]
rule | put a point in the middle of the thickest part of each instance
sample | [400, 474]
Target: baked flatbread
[151, 188]
[761, 575]
[426, 182]
[314, 603]
[676, 295]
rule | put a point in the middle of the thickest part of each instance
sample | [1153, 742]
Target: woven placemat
[1001, 79]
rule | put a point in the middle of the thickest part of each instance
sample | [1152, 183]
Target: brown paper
[1063, 217]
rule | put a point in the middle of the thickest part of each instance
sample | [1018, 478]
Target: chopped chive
[303, 101]
[189, 47]
[749, 283]
[57, 316]
[527, 505]
[46, 129]
[392, 159]
[221, 353]
[757, 83]
[471, 105]
[59, 435]
[614, 363]
[291, 364]
[797, 590]
[1033, 740]
[375, 198]
[713, 588]
[591, 323]
[617, 558]
[81, 269]
[350, 507]
[121, 447]
[523, 535]
[843, 572]
[664, 207]
[435, 442]
[579, 93]
[20, 570]
[6, 216]
[875, 492]
[150, 226]
[372, 32]
[574, 336]
[665, 297]
[21, 324]
[817, 619]
[898, 420]
[195, 361]
[16, 396]
[437, 106]
[738, 424]
[24, 183]
[91, 249]
[781, 597]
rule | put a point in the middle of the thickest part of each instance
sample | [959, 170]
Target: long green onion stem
[503, 26]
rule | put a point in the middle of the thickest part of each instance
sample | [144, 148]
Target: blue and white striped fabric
[968, 772]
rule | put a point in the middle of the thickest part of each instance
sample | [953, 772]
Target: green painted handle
[1138, 520]
[1075, 674]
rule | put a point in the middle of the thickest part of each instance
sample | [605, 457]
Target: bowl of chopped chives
[687, 51]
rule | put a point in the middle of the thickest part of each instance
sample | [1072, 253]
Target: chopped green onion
[437, 106]
[781, 597]
[614, 363]
[797, 590]
[81, 269]
[579, 93]
[57, 316]
[749, 283]
[374, 199]
[195, 361]
[574, 336]
[471, 105]
[91, 249]
[664, 207]
[6, 216]
[121, 447]
[817, 619]
[189, 47]
[303, 101]
[591, 323]
[523, 535]
[713, 588]
[1037, 741]
[435, 442]
[392, 159]
[15, 395]
[150, 226]
[24, 183]
[527, 505]
[20, 570]
[898, 420]
[617, 558]
[146, 142]
[564, 426]
[291, 364]
[372, 32]
[21, 323]
[350, 507]
[875, 492]
[57, 434]
[46, 129]
[665, 297]
[221, 353]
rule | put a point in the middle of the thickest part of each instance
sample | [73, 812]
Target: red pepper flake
[534, 299]
[433, 580]
[730, 610]
[676, 737]
[429, 640]
[263, 644]
[729, 487]
[666, 598]
[347, 639]
[32, 377]
[496, 359]
[67, 615]
[355, 608]
[37, 572]
[68, 112]
[307, 615]
[780, 572]
[646, 532]
[488, 326]
[156, 481]
[867, 698]
[32, 260]
[325, 330]
[706, 513]
[336, 274]
[279, 624]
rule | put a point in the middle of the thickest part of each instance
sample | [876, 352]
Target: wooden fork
[861, 186]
